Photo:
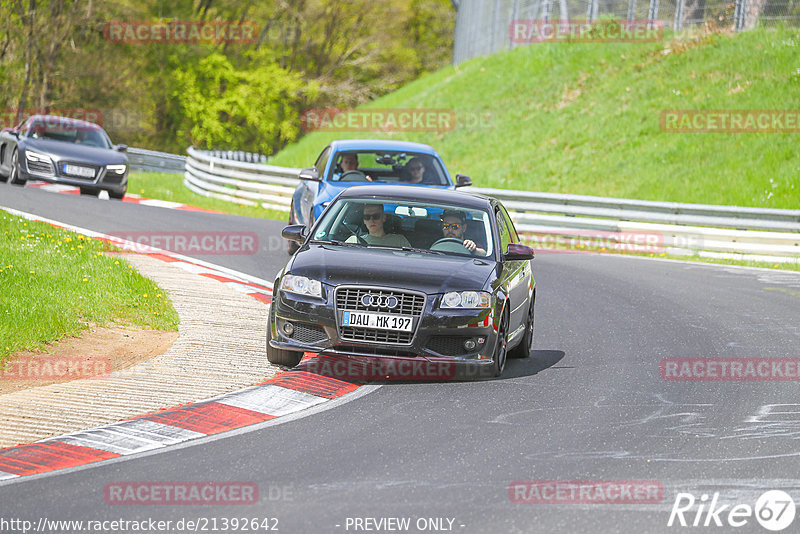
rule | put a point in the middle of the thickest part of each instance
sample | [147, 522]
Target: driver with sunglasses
[454, 227]
[374, 218]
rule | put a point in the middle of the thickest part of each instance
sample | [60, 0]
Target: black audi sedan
[422, 283]
[65, 151]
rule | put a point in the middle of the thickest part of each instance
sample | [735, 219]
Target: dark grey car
[420, 305]
[65, 151]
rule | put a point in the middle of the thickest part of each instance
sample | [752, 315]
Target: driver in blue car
[454, 226]
[349, 163]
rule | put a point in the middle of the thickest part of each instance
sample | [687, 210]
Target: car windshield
[433, 228]
[69, 132]
[386, 166]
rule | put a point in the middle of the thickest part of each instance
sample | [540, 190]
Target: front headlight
[36, 157]
[301, 285]
[466, 300]
[116, 169]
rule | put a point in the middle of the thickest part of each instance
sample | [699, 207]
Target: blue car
[354, 162]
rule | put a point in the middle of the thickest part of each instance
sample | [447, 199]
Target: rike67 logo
[774, 510]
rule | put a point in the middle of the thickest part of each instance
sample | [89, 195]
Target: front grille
[349, 298]
[408, 304]
[308, 333]
[44, 168]
[357, 333]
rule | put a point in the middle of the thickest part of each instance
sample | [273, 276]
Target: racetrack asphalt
[589, 405]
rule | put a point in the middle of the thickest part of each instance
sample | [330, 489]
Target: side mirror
[518, 251]
[462, 180]
[122, 148]
[294, 232]
[309, 174]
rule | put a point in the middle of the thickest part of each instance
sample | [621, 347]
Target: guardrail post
[678, 23]
[652, 12]
[739, 15]
[591, 13]
[631, 9]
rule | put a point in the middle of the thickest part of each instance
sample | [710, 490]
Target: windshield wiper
[334, 242]
[426, 250]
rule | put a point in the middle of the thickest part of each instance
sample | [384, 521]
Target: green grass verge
[169, 186]
[585, 119]
[55, 283]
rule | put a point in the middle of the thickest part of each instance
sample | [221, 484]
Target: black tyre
[523, 350]
[89, 191]
[501, 348]
[113, 195]
[14, 177]
[288, 358]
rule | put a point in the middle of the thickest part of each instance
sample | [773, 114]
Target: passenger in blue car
[415, 171]
[374, 219]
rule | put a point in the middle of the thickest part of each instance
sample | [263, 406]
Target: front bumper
[103, 180]
[445, 344]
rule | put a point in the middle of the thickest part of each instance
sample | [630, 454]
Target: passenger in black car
[374, 219]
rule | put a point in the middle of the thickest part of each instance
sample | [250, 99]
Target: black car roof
[54, 119]
[413, 193]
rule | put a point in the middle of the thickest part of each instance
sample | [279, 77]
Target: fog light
[470, 344]
[288, 329]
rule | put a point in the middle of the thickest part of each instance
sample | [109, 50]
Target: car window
[69, 132]
[418, 225]
[502, 230]
[322, 161]
[389, 166]
[512, 232]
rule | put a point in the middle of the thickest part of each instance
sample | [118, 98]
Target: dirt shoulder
[97, 352]
[219, 348]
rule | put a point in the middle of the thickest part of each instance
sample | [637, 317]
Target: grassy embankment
[169, 186]
[585, 119]
[55, 283]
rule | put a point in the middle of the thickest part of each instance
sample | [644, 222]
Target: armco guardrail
[150, 160]
[239, 181]
[553, 219]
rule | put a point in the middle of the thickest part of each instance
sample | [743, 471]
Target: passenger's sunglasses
[373, 216]
[454, 226]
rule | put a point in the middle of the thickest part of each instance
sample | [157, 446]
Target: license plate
[77, 170]
[377, 320]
